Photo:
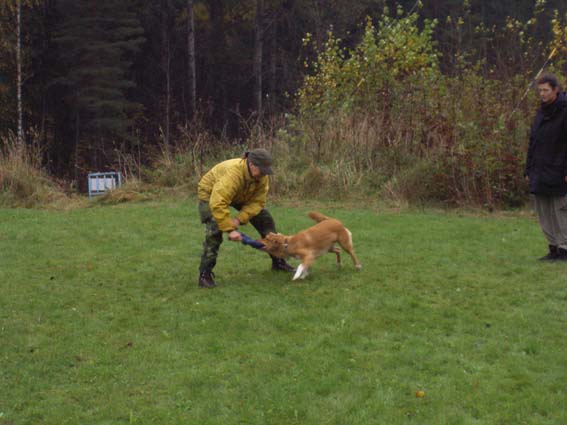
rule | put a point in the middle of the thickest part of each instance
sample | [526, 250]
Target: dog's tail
[317, 216]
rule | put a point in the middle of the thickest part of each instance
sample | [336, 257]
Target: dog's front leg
[337, 251]
[301, 272]
[298, 272]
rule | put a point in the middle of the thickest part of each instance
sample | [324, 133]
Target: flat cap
[262, 159]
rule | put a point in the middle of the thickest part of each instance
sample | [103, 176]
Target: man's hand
[235, 236]
[235, 223]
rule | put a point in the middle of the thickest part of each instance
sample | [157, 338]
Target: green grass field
[101, 322]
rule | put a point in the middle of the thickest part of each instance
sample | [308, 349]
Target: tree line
[90, 80]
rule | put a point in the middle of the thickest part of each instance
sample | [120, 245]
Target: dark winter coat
[546, 165]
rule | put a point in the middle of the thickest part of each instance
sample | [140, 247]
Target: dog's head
[274, 244]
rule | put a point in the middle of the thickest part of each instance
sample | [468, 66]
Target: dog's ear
[273, 237]
[267, 241]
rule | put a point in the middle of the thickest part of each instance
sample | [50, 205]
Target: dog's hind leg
[357, 264]
[345, 240]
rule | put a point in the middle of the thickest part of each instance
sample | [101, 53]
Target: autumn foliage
[384, 118]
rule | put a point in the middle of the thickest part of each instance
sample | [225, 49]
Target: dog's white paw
[358, 267]
[299, 272]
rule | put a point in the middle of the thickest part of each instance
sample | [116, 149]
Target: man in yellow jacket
[241, 183]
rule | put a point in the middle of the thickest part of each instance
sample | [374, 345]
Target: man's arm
[222, 195]
[235, 235]
[256, 204]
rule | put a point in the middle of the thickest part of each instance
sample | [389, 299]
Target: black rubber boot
[279, 264]
[206, 279]
[551, 255]
[561, 254]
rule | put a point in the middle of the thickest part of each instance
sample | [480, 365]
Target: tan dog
[311, 243]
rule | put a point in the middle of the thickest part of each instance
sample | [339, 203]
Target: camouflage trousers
[263, 223]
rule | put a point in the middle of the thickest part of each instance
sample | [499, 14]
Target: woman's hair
[550, 79]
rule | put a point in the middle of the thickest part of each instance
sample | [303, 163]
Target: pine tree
[97, 43]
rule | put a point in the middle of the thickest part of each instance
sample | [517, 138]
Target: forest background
[416, 102]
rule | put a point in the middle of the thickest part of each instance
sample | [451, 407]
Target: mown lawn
[101, 322]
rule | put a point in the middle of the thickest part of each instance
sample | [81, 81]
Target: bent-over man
[240, 183]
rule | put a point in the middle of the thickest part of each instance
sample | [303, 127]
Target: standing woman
[546, 166]
[240, 183]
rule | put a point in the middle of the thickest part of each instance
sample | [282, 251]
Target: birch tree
[166, 57]
[13, 10]
[258, 54]
[19, 71]
[191, 75]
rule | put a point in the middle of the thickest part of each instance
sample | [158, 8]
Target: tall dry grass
[450, 144]
[23, 182]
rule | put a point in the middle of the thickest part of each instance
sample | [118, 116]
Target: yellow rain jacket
[230, 183]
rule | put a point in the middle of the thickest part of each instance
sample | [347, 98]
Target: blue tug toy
[247, 240]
